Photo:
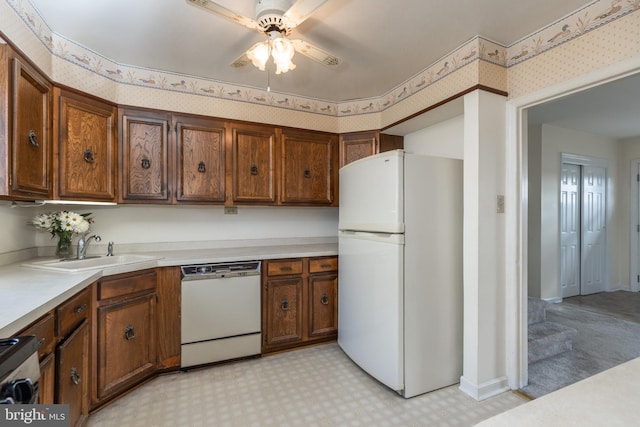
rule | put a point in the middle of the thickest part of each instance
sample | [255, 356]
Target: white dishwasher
[220, 317]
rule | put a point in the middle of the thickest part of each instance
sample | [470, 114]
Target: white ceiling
[612, 110]
[382, 42]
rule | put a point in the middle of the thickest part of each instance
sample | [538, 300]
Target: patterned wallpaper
[601, 33]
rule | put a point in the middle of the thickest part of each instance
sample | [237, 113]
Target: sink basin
[91, 263]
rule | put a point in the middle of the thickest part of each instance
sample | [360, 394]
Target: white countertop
[28, 293]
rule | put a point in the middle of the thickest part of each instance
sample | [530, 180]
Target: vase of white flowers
[63, 225]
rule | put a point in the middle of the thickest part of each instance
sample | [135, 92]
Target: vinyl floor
[316, 386]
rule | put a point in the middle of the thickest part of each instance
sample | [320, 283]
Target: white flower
[43, 221]
[82, 226]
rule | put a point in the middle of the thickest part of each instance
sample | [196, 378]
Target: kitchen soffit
[382, 42]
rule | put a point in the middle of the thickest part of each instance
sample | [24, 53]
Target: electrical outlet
[500, 203]
[230, 210]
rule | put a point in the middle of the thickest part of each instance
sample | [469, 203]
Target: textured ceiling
[381, 42]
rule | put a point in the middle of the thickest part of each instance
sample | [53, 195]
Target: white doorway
[583, 231]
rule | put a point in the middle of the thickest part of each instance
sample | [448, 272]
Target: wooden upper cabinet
[200, 147]
[307, 168]
[87, 148]
[254, 164]
[355, 146]
[25, 128]
[144, 156]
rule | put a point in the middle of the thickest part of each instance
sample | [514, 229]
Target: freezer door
[371, 194]
[370, 306]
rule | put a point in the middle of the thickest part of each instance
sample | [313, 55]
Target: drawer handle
[129, 333]
[41, 342]
[284, 304]
[324, 299]
[88, 156]
[307, 173]
[145, 163]
[80, 308]
[75, 377]
[202, 168]
[325, 265]
[32, 139]
[254, 170]
[286, 268]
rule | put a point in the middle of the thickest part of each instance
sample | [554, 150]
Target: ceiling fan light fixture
[282, 52]
[259, 54]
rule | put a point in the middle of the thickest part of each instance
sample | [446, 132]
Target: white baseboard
[485, 390]
[554, 300]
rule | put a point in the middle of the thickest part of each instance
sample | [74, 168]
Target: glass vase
[63, 249]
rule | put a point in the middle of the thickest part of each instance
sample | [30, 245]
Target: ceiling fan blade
[227, 13]
[317, 54]
[301, 10]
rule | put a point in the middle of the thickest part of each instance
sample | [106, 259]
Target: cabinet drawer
[72, 312]
[44, 331]
[281, 268]
[127, 284]
[320, 265]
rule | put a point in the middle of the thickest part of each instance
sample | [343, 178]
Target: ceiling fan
[275, 19]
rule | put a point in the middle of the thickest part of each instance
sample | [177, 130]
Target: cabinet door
[282, 311]
[201, 160]
[144, 157]
[126, 343]
[30, 136]
[73, 373]
[254, 157]
[323, 305]
[355, 146]
[307, 167]
[87, 149]
[46, 389]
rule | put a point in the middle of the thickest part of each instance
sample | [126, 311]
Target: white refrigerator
[400, 275]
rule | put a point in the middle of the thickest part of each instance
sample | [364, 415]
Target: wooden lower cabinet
[73, 374]
[284, 313]
[47, 387]
[300, 302]
[323, 305]
[126, 350]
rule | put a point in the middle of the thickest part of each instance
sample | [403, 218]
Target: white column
[484, 364]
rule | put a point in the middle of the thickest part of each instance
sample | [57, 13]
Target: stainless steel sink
[94, 263]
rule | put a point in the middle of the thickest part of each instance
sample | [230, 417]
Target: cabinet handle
[324, 299]
[325, 265]
[41, 342]
[88, 156]
[32, 139]
[254, 170]
[80, 308]
[145, 163]
[307, 173]
[202, 168]
[129, 333]
[286, 268]
[75, 377]
[284, 304]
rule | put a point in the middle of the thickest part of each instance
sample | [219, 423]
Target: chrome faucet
[110, 249]
[83, 243]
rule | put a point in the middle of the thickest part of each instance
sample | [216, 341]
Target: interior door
[570, 230]
[594, 233]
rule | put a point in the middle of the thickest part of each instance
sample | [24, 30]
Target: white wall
[556, 140]
[135, 224]
[444, 139]
[629, 156]
[15, 233]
